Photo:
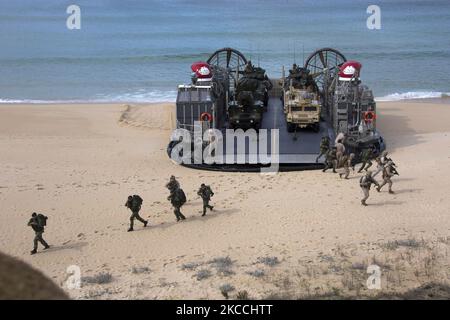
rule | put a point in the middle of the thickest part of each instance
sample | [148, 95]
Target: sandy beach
[289, 235]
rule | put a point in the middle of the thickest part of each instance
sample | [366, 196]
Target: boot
[378, 189]
[46, 247]
[130, 229]
[391, 192]
[145, 223]
[363, 202]
[34, 251]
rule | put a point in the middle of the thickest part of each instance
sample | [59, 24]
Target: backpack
[208, 192]
[180, 196]
[363, 182]
[136, 201]
[41, 220]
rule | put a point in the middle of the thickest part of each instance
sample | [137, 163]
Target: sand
[78, 163]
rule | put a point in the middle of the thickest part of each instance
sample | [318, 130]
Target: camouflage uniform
[38, 228]
[366, 157]
[388, 173]
[249, 67]
[347, 163]
[205, 193]
[381, 162]
[365, 183]
[330, 160]
[177, 203]
[324, 147]
[340, 149]
[340, 152]
[380, 166]
[135, 208]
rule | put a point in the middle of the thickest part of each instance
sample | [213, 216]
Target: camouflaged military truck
[250, 98]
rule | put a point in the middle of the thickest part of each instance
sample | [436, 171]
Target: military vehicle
[250, 97]
[349, 105]
[301, 100]
[229, 92]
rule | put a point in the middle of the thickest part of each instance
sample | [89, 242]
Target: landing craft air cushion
[212, 103]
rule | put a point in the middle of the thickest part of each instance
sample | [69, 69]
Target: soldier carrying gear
[173, 184]
[177, 198]
[380, 166]
[366, 156]
[347, 161]
[205, 193]
[388, 172]
[249, 67]
[340, 149]
[38, 223]
[365, 183]
[134, 203]
[385, 159]
[324, 147]
[330, 160]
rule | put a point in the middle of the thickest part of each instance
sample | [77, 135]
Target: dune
[289, 235]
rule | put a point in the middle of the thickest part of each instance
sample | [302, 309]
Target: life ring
[369, 116]
[206, 116]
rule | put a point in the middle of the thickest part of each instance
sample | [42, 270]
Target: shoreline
[439, 100]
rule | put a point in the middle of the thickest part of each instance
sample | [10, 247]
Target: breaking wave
[414, 95]
[140, 96]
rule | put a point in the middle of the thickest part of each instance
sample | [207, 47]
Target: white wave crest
[140, 96]
[413, 95]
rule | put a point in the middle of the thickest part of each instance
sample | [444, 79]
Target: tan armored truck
[302, 109]
[301, 100]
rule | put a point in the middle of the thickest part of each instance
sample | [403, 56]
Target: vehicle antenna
[303, 54]
[259, 56]
[294, 54]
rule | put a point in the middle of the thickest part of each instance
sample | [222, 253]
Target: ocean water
[138, 51]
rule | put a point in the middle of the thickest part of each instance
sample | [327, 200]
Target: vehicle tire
[290, 127]
[316, 127]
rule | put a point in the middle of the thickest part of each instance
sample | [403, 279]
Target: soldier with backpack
[366, 156]
[324, 147]
[134, 203]
[330, 160]
[177, 198]
[38, 223]
[205, 193]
